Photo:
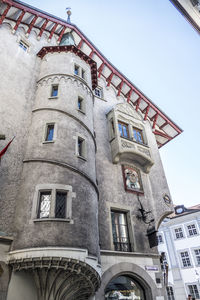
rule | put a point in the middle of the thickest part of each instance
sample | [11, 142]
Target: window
[193, 290]
[123, 129]
[44, 205]
[160, 238]
[60, 211]
[138, 136]
[192, 230]
[163, 260]
[81, 147]
[54, 91]
[120, 231]
[178, 233]
[76, 70]
[197, 256]
[23, 45]
[80, 104]
[170, 293]
[52, 201]
[83, 73]
[185, 259]
[98, 92]
[49, 132]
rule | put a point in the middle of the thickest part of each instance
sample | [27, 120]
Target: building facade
[179, 243]
[83, 190]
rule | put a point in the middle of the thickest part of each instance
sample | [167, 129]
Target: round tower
[57, 208]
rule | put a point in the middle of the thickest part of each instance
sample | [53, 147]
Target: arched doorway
[124, 287]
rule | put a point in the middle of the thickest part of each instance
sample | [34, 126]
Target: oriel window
[49, 132]
[120, 231]
[123, 129]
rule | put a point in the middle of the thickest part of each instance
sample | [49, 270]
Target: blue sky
[151, 43]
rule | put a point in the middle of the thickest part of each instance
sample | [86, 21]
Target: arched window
[124, 287]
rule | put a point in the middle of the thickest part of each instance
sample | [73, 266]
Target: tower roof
[32, 18]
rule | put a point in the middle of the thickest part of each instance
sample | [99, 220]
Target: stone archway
[135, 272]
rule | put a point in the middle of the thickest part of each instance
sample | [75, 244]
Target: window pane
[44, 205]
[54, 91]
[80, 100]
[137, 135]
[50, 131]
[60, 205]
[76, 70]
[120, 231]
[123, 129]
[80, 147]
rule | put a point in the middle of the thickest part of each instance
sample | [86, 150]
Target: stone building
[82, 187]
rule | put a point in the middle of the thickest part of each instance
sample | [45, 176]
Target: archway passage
[124, 287]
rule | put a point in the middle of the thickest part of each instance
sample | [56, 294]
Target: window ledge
[81, 157]
[68, 220]
[53, 97]
[48, 142]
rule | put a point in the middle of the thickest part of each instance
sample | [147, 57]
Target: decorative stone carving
[145, 151]
[127, 145]
[59, 278]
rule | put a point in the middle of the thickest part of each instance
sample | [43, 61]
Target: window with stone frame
[178, 233]
[185, 259]
[120, 231]
[192, 230]
[81, 104]
[52, 201]
[49, 132]
[193, 291]
[76, 70]
[54, 90]
[81, 147]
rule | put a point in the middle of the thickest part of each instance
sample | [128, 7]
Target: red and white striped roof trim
[29, 17]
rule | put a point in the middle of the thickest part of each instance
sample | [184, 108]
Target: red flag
[6, 147]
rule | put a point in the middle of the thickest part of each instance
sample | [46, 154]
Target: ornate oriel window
[124, 287]
[120, 231]
[132, 179]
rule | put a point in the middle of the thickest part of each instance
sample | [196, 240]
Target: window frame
[185, 258]
[100, 90]
[82, 101]
[189, 291]
[82, 73]
[53, 189]
[83, 154]
[175, 234]
[127, 129]
[51, 92]
[141, 133]
[170, 296]
[121, 244]
[188, 230]
[46, 141]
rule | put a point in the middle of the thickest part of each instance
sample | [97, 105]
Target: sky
[153, 45]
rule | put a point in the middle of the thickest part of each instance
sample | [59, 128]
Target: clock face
[167, 199]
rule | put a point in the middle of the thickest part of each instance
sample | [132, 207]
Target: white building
[179, 239]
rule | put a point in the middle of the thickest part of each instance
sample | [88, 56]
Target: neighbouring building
[190, 9]
[179, 243]
[82, 187]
